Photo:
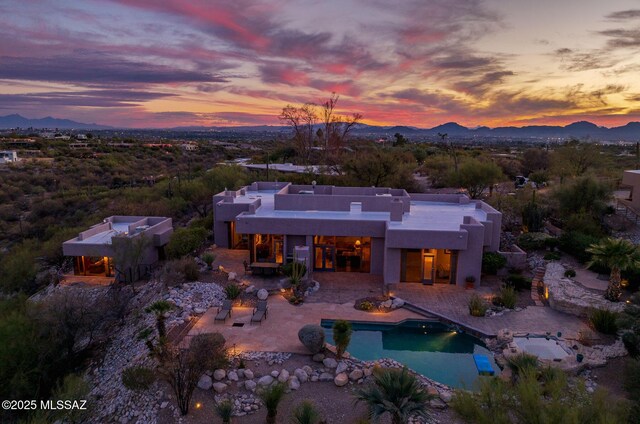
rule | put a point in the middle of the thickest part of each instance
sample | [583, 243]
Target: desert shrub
[492, 262]
[190, 269]
[208, 258]
[312, 337]
[551, 243]
[575, 244]
[518, 282]
[631, 343]
[477, 306]
[341, 336]
[137, 378]
[506, 297]
[522, 362]
[271, 397]
[604, 321]
[570, 273]
[224, 409]
[184, 241]
[552, 256]
[584, 223]
[305, 412]
[364, 305]
[232, 291]
[533, 241]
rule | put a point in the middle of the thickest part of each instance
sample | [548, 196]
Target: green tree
[617, 255]
[394, 392]
[341, 336]
[401, 140]
[184, 241]
[574, 159]
[584, 194]
[380, 168]
[476, 176]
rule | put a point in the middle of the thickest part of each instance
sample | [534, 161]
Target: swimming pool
[430, 348]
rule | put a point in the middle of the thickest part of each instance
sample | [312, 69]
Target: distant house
[93, 250]
[8, 156]
[631, 179]
[189, 146]
[404, 237]
[81, 137]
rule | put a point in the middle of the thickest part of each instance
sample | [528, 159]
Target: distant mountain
[18, 121]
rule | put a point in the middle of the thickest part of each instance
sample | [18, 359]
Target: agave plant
[271, 397]
[394, 392]
[224, 409]
[305, 413]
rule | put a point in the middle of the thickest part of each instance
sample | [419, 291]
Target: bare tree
[182, 368]
[335, 131]
[452, 150]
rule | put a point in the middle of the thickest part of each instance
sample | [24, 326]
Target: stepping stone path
[538, 277]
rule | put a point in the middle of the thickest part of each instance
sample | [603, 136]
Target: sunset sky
[153, 63]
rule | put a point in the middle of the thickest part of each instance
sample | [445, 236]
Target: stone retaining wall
[570, 297]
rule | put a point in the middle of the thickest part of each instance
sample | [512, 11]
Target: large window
[343, 254]
[267, 248]
[237, 240]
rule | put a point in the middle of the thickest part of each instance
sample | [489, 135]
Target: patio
[279, 331]
[451, 302]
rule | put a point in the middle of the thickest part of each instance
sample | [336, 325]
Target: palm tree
[160, 308]
[341, 336]
[224, 409]
[395, 392]
[271, 397]
[305, 413]
[618, 255]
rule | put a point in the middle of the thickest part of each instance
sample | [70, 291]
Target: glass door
[428, 269]
[325, 258]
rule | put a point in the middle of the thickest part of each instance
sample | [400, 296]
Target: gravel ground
[334, 403]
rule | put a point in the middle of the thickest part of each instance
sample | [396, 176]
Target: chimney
[396, 210]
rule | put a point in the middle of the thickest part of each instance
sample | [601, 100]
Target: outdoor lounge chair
[260, 312]
[224, 311]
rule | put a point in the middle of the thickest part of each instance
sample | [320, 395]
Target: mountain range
[582, 129]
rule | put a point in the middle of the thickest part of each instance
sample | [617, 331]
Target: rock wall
[570, 297]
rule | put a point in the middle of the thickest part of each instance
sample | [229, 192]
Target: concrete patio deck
[279, 331]
[451, 302]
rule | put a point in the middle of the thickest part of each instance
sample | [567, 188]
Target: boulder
[397, 303]
[233, 376]
[387, 303]
[356, 375]
[325, 376]
[301, 375]
[342, 367]
[263, 294]
[199, 311]
[232, 276]
[446, 396]
[265, 381]
[205, 382]
[275, 373]
[240, 373]
[308, 370]
[248, 374]
[250, 289]
[318, 357]
[284, 376]
[368, 372]
[312, 337]
[341, 379]
[293, 383]
[330, 363]
[219, 374]
[437, 403]
[219, 387]
[250, 385]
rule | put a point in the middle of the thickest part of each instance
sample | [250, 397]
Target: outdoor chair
[260, 312]
[224, 311]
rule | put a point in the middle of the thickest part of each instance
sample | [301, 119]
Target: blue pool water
[429, 348]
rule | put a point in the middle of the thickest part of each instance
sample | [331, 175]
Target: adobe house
[93, 250]
[405, 238]
[631, 178]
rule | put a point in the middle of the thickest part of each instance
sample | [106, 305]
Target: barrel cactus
[312, 337]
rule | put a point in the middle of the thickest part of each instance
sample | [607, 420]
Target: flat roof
[105, 236]
[424, 215]
[119, 226]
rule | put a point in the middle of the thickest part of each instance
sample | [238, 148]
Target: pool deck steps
[431, 314]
